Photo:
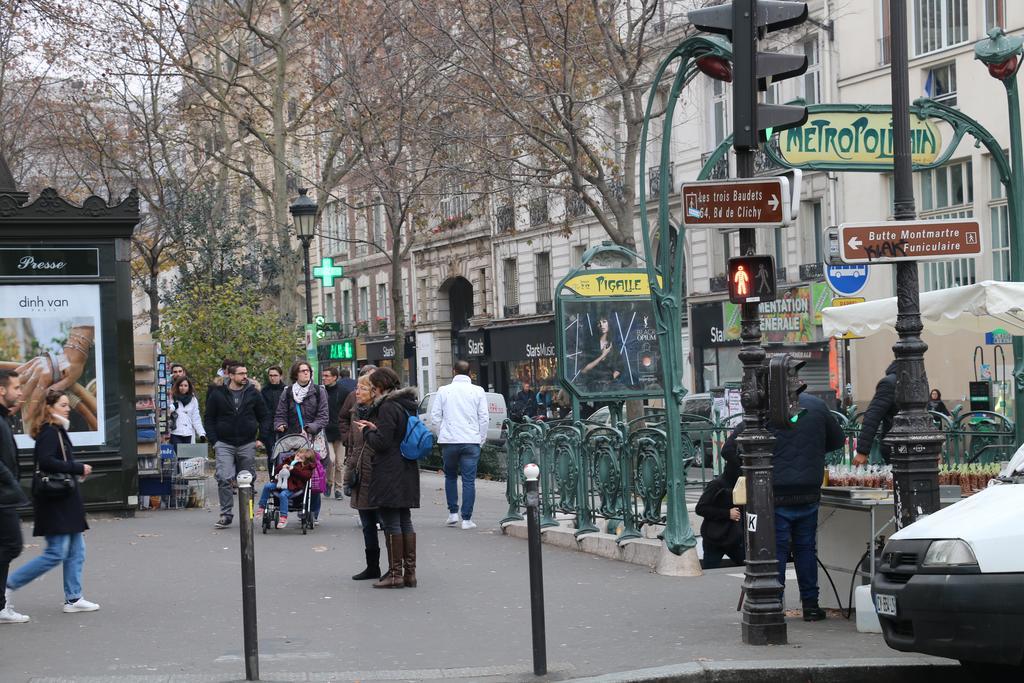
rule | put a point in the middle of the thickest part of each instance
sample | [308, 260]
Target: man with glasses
[235, 418]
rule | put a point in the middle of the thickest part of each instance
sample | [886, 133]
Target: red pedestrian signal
[751, 279]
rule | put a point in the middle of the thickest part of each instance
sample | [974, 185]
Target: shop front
[791, 324]
[381, 353]
[523, 353]
[339, 353]
[473, 345]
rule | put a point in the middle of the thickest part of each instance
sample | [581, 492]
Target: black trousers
[713, 554]
[11, 545]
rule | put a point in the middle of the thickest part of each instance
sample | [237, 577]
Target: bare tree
[563, 85]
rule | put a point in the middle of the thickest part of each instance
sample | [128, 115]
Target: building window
[539, 210]
[948, 193]
[995, 14]
[346, 310]
[578, 250]
[329, 313]
[364, 304]
[382, 301]
[378, 225]
[939, 24]
[481, 288]
[453, 204]
[542, 267]
[949, 186]
[884, 32]
[1000, 221]
[719, 112]
[362, 246]
[511, 285]
[505, 217]
[812, 77]
[940, 83]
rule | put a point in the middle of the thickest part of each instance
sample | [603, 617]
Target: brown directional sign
[740, 203]
[893, 241]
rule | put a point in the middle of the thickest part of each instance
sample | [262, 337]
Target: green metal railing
[619, 473]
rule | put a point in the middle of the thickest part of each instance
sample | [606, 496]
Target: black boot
[812, 612]
[372, 570]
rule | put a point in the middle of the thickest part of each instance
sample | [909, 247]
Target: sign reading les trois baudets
[49, 262]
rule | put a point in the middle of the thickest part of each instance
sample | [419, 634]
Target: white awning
[981, 307]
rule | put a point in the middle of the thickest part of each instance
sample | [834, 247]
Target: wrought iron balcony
[654, 180]
[721, 168]
[510, 311]
[538, 211]
[544, 307]
[574, 204]
[812, 271]
[719, 283]
[505, 217]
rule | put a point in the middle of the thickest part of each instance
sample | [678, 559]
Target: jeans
[269, 489]
[180, 438]
[314, 504]
[462, 457]
[11, 545]
[396, 520]
[231, 460]
[798, 523]
[66, 549]
[368, 519]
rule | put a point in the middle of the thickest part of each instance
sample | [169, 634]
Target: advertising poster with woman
[611, 347]
[50, 335]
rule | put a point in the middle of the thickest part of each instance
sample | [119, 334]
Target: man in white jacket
[459, 410]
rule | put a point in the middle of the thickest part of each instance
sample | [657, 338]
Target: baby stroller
[284, 449]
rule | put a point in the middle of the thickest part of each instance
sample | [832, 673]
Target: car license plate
[885, 605]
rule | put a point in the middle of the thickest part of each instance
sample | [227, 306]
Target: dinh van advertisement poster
[50, 334]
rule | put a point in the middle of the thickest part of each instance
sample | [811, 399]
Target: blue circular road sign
[846, 280]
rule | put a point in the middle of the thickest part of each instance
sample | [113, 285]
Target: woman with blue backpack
[395, 484]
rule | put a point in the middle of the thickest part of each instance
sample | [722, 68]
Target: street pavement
[169, 586]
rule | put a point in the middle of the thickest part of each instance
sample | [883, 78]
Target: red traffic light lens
[717, 68]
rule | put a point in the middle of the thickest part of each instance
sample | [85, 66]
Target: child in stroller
[292, 474]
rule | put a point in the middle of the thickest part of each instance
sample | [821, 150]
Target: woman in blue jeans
[60, 520]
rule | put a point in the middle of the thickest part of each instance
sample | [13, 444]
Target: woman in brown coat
[358, 473]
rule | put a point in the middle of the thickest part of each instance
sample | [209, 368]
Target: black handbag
[353, 480]
[52, 485]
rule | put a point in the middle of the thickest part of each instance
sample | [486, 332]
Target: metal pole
[540, 657]
[309, 291]
[763, 619]
[1016, 243]
[249, 630]
[914, 441]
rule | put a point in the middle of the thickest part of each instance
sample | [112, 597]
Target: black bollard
[251, 645]
[540, 657]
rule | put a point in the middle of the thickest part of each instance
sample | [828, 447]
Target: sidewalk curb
[882, 670]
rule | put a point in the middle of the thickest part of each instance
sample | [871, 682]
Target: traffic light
[784, 389]
[751, 279]
[745, 22]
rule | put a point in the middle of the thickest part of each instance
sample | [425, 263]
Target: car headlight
[949, 553]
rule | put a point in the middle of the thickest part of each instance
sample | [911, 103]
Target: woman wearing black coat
[721, 532]
[60, 520]
[395, 485]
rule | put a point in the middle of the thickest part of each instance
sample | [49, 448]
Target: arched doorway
[459, 292]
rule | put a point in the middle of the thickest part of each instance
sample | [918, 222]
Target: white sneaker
[80, 605]
[9, 616]
[453, 519]
[468, 524]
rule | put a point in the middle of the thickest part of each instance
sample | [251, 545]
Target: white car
[952, 583]
[496, 410]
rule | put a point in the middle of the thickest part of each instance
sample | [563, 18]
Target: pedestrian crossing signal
[751, 279]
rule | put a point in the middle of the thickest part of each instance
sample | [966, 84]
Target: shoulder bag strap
[298, 411]
[60, 440]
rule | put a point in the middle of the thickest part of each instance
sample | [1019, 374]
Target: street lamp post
[1002, 55]
[303, 213]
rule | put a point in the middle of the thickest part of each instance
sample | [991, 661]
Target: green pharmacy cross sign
[327, 271]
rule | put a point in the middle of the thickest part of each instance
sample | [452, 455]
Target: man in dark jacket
[332, 432]
[798, 469]
[878, 418]
[235, 417]
[271, 397]
[11, 495]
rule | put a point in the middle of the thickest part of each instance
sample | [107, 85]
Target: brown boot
[410, 560]
[396, 558]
